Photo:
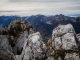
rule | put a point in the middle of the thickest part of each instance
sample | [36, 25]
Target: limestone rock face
[6, 55]
[34, 48]
[72, 56]
[64, 38]
[21, 40]
[4, 43]
[69, 42]
[58, 43]
[64, 44]
[14, 37]
[61, 30]
[78, 37]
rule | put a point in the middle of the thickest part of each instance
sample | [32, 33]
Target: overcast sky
[33, 7]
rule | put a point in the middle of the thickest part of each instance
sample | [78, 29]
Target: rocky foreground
[21, 42]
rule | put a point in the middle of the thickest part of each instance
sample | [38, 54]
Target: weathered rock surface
[6, 55]
[21, 40]
[61, 30]
[14, 37]
[34, 48]
[20, 22]
[64, 37]
[72, 56]
[78, 37]
[4, 43]
[50, 58]
[64, 43]
[69, 42]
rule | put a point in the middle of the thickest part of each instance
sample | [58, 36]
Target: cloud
[8, 11]
[34, 0]
[32, 7]
[43, 0]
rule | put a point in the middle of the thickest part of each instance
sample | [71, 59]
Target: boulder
[64, 41]
[64, 37]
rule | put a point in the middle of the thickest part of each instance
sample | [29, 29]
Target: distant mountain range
[45, 24]
[5, 20]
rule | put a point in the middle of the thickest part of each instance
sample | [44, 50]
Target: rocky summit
[20, 41]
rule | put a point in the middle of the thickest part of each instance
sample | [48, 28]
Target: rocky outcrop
[61, 30]
[20, 42]
[34, 48]
[64, 37]
[14, 37]
[64, 43]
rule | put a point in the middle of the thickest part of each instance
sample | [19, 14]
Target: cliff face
[20, 42]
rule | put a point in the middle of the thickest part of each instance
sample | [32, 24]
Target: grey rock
[31, 31]
[34, 48]
[69, 42]
[4, 43]
[21, 43]
[38, 48]
[78, 37]
[21, 40]
[57, 43]
[19, 22]
[61, 30]
[6, 55]
[50, 58]
[64, 38]
[65, 43]
[16, 37]
[72, 56]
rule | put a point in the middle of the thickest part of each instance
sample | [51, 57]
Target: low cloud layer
[33, 7]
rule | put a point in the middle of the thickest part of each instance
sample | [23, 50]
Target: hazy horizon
[44, 7]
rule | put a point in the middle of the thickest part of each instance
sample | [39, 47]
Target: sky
[34, 7]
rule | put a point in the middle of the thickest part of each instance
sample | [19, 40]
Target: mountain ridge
[22, 42]
[45, 24]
